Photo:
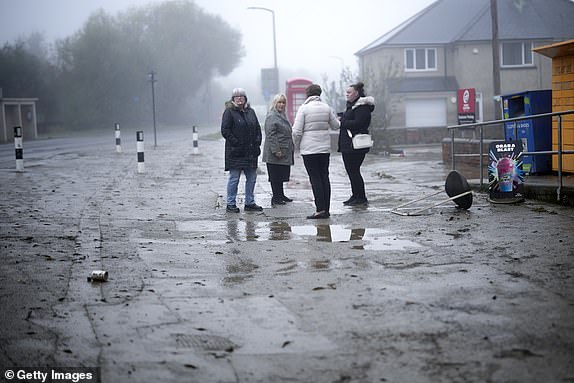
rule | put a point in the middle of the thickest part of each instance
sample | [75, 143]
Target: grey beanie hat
[239, 92]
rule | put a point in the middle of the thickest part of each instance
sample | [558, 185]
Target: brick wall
[466, 146]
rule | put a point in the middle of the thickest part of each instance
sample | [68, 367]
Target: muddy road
[196, 294]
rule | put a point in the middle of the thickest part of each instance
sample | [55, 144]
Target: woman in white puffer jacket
[313, 121]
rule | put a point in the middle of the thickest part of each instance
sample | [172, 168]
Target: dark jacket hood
[229, 104]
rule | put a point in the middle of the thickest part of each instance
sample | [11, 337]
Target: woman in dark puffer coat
[242, 132]
[355, 120]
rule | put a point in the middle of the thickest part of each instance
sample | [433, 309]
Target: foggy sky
[313, 37]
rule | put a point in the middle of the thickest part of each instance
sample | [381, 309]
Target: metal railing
[560, 152]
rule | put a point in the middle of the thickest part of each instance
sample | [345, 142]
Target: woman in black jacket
[355, 120]
[242, 132]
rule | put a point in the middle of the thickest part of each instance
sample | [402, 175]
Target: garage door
[425, 112]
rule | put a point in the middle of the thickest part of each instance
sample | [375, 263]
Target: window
[517, 54]
[420, 59]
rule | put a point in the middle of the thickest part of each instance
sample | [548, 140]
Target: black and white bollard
[195, 140]
[19, 149]
[118, 139]
[140, 148]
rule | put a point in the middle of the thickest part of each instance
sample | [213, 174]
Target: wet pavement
[196, 294]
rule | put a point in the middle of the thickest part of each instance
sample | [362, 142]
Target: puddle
[358, 238]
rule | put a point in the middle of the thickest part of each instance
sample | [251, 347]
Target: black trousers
[317, 166]
[353, 162]
[277, 175]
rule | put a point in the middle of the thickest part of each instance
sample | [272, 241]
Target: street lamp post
[274, 42]
[152, 79]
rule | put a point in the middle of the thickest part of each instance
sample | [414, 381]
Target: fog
[313, 38]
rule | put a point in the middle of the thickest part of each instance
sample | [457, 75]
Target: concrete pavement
[196, 294]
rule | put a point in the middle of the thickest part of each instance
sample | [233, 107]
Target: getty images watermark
[52, 375]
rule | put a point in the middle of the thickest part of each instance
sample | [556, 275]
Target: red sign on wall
[466, 100]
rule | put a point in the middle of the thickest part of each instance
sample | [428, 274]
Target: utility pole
[152, 79]
[495, 59]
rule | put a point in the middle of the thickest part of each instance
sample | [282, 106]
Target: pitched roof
[564, 48]
[451, 21]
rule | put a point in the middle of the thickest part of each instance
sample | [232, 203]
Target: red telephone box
[295, 93]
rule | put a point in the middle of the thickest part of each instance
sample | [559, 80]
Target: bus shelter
[18, 112]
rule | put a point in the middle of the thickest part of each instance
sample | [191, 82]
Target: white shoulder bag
[360, 141]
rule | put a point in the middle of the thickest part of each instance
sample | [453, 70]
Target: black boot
[280, 192]
[277, 190]
[350, 200]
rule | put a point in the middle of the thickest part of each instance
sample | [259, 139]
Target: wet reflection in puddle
[360, 238]
[279, 231]
[239, 230]
[330, 233]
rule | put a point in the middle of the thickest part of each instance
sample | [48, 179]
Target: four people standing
[355, 120]
[311, 136]
[278, 149]
[242, 132]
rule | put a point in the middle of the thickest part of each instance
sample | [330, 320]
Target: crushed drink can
[98, 276]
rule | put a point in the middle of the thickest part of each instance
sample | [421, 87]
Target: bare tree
[378, 84]
[334, 94]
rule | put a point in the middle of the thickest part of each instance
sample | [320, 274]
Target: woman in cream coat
[311, 137]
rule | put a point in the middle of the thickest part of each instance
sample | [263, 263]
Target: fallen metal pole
[428, 207]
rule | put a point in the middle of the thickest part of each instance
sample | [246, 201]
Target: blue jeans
[233, 183]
